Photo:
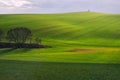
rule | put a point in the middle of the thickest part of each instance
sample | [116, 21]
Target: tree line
[19, 35]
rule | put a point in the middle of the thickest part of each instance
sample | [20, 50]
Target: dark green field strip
[23, 70]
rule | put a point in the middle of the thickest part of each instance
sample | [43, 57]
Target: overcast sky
[58, 6]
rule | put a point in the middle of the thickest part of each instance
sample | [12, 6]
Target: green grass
[23, 70]
[84, 28]
[55, 56]
[64, 32]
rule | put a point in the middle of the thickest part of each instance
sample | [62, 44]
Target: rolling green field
[85, 46]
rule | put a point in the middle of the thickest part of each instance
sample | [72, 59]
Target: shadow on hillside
[6, 51]
[20, 45]
[24, 50]
[14, 51]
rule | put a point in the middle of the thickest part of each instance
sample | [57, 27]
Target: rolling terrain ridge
[85, 46]
[83, 27]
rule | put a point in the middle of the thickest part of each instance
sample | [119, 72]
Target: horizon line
[60, 12]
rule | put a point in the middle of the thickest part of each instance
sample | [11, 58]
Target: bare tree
[19, 35]
[88, 10]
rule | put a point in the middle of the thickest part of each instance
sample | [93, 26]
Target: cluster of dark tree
[20, 38]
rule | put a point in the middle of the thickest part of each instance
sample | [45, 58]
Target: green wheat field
[85, 46]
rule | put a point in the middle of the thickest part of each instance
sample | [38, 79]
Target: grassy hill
[85, 46]
[84, 27]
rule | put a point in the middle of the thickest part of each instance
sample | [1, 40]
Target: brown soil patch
[94, 50]
[80, 50]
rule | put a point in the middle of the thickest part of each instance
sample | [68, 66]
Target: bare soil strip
[94, 50]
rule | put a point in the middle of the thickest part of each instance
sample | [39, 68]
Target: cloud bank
[58, 6]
